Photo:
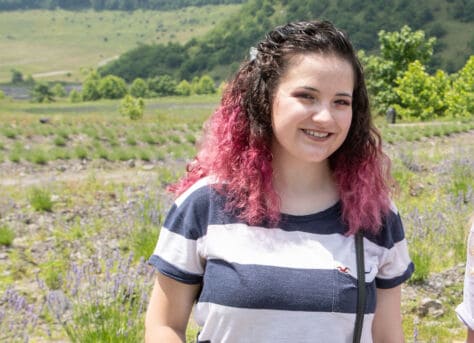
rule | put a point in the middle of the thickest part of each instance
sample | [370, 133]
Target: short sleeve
[177, 252]
[465, 310]
[395, 265]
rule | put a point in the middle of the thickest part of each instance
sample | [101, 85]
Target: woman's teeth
[316, 133]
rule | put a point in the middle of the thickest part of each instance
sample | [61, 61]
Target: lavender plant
[18, 317]
[105, 302]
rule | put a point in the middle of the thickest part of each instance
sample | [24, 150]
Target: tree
[139, 88]
[205, 85]
[421, 96]
[460, 98]
[58, 90]
[405, 47]
[397, 51]
[162, 85]
[90, 89]
[183, 88]
[132, 107]
[17, 76]
[42, 93]
[75, 96]
[112, 87]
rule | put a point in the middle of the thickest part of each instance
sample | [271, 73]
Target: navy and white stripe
[287, 284]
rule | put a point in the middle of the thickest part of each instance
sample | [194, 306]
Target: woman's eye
[305, 96]
[343, 102]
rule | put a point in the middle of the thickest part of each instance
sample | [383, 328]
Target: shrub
[75, 96]
[421, 96]
[184, 88]
[132, 107]
[81, 152]
[422, 262]
[106, 309]
[14, 156]
[42, 93]
[59, 141]
[53, 274]
[40, 200]
[37, 156]
[6, 236]
[460, 99]
[58, 90]
[112, 87]
[139, 88]
[10, 133]
[17, 76]
[162, 85]
[90, 88]
[205, 85]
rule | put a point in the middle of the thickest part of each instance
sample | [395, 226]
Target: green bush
[75, 96]
[132, 107]
[81, 152]
[184, 88]
[58, 90]
[421, 96]
[460, 98]
[90, 87]
[422, 262]
[112, 87]
[37, 156]
[59, 141]
[40, 200]
[42, 93]
[53, 274]
[162, 85]
[139, 88]
[6, 236]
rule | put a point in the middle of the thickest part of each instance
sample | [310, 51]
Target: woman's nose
[322, 113]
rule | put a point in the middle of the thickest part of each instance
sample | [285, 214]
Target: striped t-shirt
[293, 283]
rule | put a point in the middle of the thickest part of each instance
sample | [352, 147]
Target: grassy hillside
[59, 43]
[220, 51]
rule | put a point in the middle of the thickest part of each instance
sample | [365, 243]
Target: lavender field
[82, 198]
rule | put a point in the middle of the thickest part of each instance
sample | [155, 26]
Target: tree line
[396, 78]
[219, 52]
[99, 5]
[96, 87]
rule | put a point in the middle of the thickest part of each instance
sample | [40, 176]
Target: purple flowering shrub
[103, 302]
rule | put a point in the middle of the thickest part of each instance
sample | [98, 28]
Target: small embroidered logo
[343, 269]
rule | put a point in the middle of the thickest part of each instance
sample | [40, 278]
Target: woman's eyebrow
[317, 90]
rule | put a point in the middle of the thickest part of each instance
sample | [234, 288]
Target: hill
[100, 5]
[55, 45]
[219, 51]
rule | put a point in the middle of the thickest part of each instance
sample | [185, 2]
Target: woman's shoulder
[197, 192]
[392, 230]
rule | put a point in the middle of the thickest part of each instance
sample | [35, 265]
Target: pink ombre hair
[236, 145]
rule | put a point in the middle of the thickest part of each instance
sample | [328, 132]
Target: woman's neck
[304, 188]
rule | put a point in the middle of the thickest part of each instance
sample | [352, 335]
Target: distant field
[56, 45]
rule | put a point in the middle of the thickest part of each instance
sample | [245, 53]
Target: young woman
[465, 310]
[261, 236]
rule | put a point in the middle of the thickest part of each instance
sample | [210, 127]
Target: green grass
[433, 177]
[37, 42]
[94, 131]
[40, 200]
[7, 235]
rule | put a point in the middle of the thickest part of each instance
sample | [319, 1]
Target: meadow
[83, 199]
[56, 45]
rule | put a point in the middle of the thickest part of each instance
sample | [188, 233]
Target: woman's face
[312, 108]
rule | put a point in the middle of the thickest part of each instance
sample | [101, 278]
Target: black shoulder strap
[359, 243]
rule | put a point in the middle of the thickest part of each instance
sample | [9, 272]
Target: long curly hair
[236, 151]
